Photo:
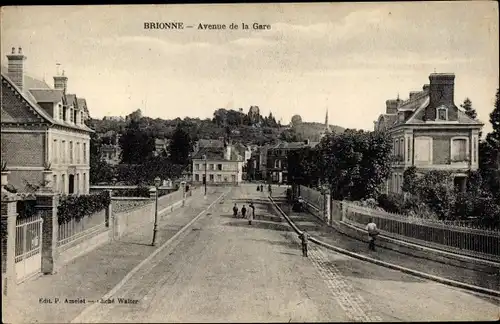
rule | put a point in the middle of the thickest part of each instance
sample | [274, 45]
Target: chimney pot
[20, 50]
[13, 50]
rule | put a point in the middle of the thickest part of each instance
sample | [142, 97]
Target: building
[218, 165]
[276, 167]
[431, 133]
[44, 135]
[161, 146]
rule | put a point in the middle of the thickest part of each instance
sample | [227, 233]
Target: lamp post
[155, 228]
[205, 178]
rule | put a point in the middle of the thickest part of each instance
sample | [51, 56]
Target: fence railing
[76, 229]
[463, 240]
[28, 237]
[312, 196]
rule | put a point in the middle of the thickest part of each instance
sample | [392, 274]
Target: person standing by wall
[304, 237]
[243, 211]
[235, 211]
[251, 215]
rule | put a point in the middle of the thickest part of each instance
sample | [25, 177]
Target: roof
[33, 104]
[215, 153]
[82, 103]
[210, 143]
[293, 145]
[47, 95]
[71, 100]
[29, 82]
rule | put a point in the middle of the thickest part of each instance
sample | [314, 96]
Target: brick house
[43, 127]
[430, 132]
[277, 164]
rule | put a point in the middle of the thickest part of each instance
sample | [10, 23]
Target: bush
[392, 203]
[77, 207]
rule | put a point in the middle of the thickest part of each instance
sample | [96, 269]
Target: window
[396, 147]
[84, 152]
[277, 164]
[233, 178]
[84, 185]
[63, 151]
[442, 114]
[71, 115]
[475, 150]
[459, 150]
[77, 185]
[65, 114]
[197, 177]
[219, 167]
[75, 116]
[400, 188]
[70, 152]
[212, 167]
[61, 112]
[402, 148]
[408, 149]
[54, 151]
[63, 183]
[78, 152]
[219, 178]
[423, 150]
[197, 167]
[212, 176]
[81, 117]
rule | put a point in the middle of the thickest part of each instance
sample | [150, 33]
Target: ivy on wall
[78, 207]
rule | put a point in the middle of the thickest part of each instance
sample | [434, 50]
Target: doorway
[71, 184]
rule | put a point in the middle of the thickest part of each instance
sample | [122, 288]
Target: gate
[28, 247]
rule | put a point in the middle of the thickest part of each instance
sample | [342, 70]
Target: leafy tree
[410, 180]
[136, 144]
[467, 107]
[489, 153]
[100, 171]
[290, 135]
[180, 146]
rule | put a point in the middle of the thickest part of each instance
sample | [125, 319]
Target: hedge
[77, 207]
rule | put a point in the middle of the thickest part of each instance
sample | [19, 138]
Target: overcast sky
[347, 58]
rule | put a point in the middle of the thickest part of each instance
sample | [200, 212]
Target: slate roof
[33, 104]
[215, 153]
[293, 145]
[47, 95]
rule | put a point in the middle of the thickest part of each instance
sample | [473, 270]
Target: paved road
[225, 270]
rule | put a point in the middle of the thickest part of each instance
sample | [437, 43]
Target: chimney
[441, 89]
[227, 155]
[16, 67]
[413, 93]
[391, 106]
[426, 87]
[61, 82]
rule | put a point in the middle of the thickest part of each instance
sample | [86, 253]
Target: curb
[82, 315]
[445, 281]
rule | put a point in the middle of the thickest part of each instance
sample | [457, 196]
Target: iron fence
[76, 229]
[454, 237]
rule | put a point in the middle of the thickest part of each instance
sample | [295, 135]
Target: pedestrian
[235, 211]
[304, 237]
[243, 211]
[372, 230]
[269, 189]
[251, 215]
[261, 188]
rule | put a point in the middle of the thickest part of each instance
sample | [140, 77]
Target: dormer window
[442, 113]
[71, 115]
[61, 111]
[75, 116]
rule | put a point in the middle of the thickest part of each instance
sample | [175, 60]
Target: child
[304, 237]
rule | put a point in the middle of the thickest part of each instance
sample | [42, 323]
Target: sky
[347, 58]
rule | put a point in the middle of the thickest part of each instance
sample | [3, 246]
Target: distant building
[217, 165]
[111, 152]
[431, 133]
[277, 163]
[43, 128]
[326, 130]
[161, 146]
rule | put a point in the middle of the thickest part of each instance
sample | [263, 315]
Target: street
[225, 270]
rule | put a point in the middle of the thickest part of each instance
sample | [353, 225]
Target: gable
[15, 108]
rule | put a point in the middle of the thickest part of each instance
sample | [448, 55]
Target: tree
[136, 144]
[290, 135]
[100, 171]
[180, 146]
[467, 107]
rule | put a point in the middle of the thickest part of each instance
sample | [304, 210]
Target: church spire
[327, 125]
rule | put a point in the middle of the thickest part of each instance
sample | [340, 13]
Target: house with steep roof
[431, 133]
[217, 165]
[43, 131]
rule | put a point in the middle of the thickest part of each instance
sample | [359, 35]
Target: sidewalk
[92, 275]
[327, 234]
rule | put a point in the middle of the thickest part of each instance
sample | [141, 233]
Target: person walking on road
[243, 211]
[269, 189]
[235, 211]
[251, 215]
[372, 230]
[261, 188]
[304, 237]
